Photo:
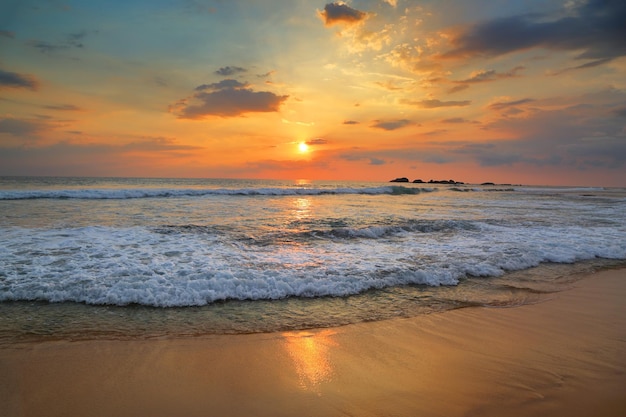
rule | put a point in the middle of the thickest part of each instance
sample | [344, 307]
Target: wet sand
[564, 356]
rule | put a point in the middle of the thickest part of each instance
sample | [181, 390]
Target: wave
[133, 193]
[331, 229]
[102, 265]
[480, 190]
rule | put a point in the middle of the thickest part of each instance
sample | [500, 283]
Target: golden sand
[565, 356]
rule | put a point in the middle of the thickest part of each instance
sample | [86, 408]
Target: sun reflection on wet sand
[310, 353]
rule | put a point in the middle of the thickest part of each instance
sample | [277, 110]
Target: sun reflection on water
[310, 353]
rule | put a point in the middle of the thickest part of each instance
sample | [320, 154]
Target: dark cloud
[46, 47]
[620, 112]
[267, 74]
[458, 88]
[228, 83]
[226, 98]
[435, 132]
[228, 71]
[350, 122]
[432, 104]
[7, 34]
[21, 127]
[457, 120]
[480, 77]
[10, 79]
[595, 27]
[376, 161]
[72, 40]
[391, 124]
[506, 104]
[339, 12]
[491, 75]
[76, 39]
[316, 141]
[591, 64]
[63, 107]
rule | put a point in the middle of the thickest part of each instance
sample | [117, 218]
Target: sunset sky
[530, 91]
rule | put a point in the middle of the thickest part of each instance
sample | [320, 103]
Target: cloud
[228, 71]
[458, 88]
[267, 74]
[224, 84]
[391, 124]
[490, 75]
[435, 132]
[76, 39]
[620, 112]
[226, 98]
[376, 161]
[433, 104]
[72, 40]
[595, 27]
[7, 34]
[457, 120]
[316, 141]
[157, 144]
[500, 105]
[63, 107]
[591, 64]
[340, 12]
[21, 127]
[350, 122]
[10, 79]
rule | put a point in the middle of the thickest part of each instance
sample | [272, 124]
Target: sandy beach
[564, 356]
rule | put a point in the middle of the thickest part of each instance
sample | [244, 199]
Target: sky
[523, 92]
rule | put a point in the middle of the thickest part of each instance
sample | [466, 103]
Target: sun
[303, 147]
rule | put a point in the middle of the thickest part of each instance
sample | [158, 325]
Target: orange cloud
[432, 104]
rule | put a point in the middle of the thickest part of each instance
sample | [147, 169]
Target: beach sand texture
[564, 356]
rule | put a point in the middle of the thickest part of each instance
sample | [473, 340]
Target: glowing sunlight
[303, 147]
[311, 357]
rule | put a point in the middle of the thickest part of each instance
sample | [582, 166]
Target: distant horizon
[296, 180]
[529, 92]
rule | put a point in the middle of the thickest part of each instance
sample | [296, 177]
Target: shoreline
[563, 356]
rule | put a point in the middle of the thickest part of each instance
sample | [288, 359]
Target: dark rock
[403, 179]
[487, 183]
[443, 182]
[418, 182]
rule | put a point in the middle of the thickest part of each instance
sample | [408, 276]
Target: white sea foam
[134, 193]
[103, 265]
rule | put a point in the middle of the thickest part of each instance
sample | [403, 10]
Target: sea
[141, 258]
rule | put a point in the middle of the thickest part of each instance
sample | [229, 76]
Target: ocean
[132, 258]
